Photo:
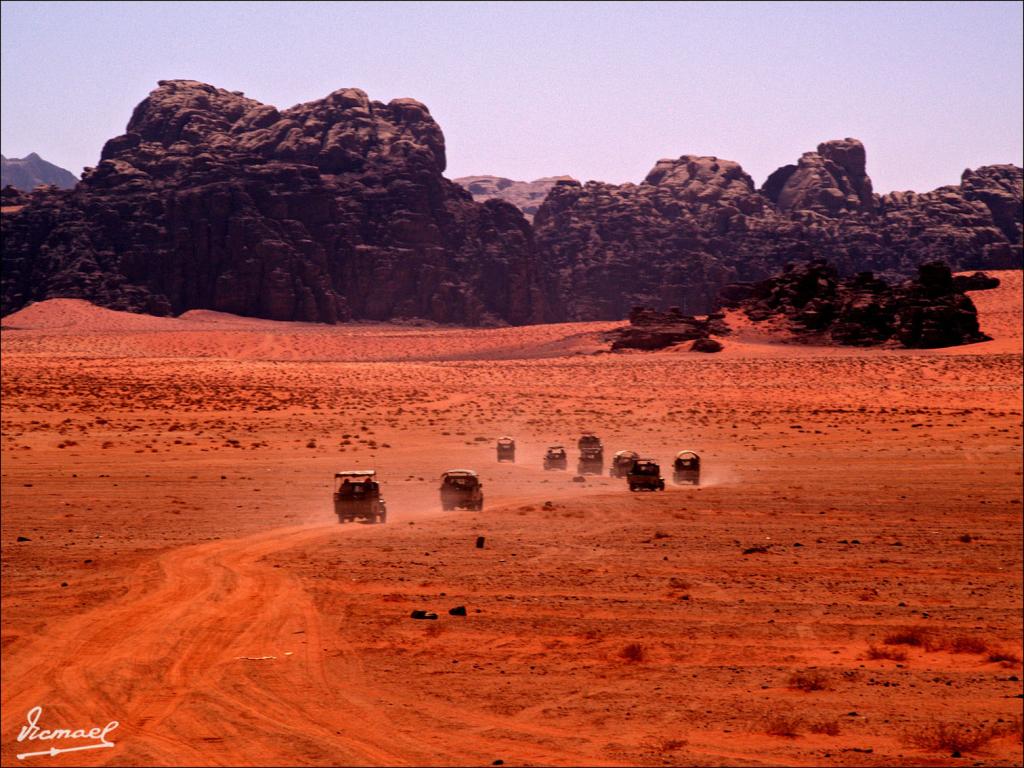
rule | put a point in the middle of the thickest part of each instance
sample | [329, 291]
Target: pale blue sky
[595, 90]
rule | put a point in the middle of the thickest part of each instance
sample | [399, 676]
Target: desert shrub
[671, 745]
[634, 653]
[874, 652]
[808, 680]
[783, 724]
[967, 644]
[1008, 658]
[915, 636]
[827, 727]
[952, 737]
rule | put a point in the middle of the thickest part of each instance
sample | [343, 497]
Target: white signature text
[31, 731]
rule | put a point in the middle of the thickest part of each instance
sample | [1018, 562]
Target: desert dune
[843, 588]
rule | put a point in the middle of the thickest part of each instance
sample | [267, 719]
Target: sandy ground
[184, 575]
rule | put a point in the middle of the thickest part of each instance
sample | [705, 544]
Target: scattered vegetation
[1007, 658]
[808, 680]
[914, 636]
[783, 724]
[671, 745]
[634, 653]
[827, 727]
[922, 638]
[966, 644]
[955, 738]
[876, 653]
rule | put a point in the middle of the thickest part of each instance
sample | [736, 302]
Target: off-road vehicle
[357, 497]
[686, 468]
[461, 489]
[506, 449]
[591, 455]
[556, 458]
[645, 475]
[621, 463]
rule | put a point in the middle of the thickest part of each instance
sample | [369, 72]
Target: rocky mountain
[326, 211]
[527, 196]
[697, 223]
[26, 173]
[929, 311]
[339, 209]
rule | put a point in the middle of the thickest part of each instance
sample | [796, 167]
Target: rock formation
[697, 223]
[338, 209]
[527, 196]
[330, 210]
[27, 173]
[832, 180]
[931, 311]
[651, 330]
[12, 196]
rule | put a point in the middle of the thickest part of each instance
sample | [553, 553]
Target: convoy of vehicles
[357, 493]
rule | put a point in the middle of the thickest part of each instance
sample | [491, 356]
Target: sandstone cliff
[329, 210]
[697, 223]
[339, 209]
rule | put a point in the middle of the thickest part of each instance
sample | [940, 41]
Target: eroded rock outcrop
[828, 181]
[929, 311]
[697, 223]
[338, 209]
[329, 210]
[650, 330]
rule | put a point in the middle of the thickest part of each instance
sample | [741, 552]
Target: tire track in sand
[163, 661]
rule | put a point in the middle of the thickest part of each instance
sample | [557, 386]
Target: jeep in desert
[461, 489]
[686, 468]
[357, 497]
[621, 463]
[506, 449]
[591, 455]
[645, 475]
[556, 458]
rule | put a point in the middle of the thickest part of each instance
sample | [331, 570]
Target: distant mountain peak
[26, 173]
[527, 196]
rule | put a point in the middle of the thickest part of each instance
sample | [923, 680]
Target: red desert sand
[844, 587]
